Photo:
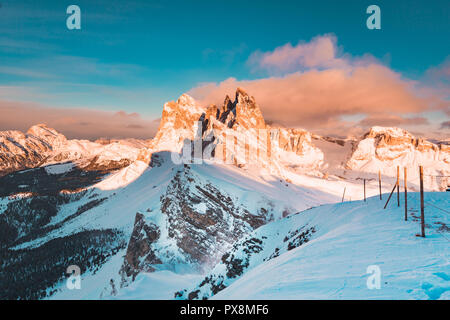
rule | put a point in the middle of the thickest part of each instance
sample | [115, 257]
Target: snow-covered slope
[324, 253]
[132, 216]
[180, 218]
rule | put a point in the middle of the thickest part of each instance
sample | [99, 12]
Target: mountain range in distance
[380, 149]
[134, 214]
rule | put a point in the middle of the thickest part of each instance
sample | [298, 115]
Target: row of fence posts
[397, 185]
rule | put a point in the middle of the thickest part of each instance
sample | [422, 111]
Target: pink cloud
[312, 98]
[318, 87]
[76, 123]
[441, 72]
[390, 120]
[438, 78]
[320, 52]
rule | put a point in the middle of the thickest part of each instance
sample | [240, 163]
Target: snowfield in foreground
[348, 238]
[324, 253]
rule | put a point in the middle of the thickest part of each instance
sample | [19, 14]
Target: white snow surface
[138, 188]
[59, 168]
[350, 237]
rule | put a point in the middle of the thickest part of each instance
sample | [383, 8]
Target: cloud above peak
[320, 52]
[312, 86]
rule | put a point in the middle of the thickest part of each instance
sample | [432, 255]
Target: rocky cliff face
[193, 227]
[178, 121]
[234, 133]
[249, 251]
[197, 221]
[243, 112]
[297, 150]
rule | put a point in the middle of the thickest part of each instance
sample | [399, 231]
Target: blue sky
[136, 55]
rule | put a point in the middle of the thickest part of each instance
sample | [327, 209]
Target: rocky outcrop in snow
[196, 223]
[251, 250]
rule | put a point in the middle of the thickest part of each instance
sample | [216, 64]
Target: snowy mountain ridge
[383, 149]
[127, 213]
[42, 145]
[236, 133]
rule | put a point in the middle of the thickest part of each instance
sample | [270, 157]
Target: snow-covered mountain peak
[186, 100]
[177, 122]
[247, 112]
[394, 132]
[49, 135]
[241, 123]
[385, 148]
[42, 129]
[42, 145]
[397, 138]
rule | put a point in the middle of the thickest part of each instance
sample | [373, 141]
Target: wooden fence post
[406, 197]
[364, 190]
[379, 183]
[398, 186]
[390, 195]
[422, 207]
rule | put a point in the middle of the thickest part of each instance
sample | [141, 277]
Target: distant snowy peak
[391, 136]
[39, 145]
[383, 149]
[388, 143]
[390, 131]
[47, 134]
[20, 150]
[42, 145]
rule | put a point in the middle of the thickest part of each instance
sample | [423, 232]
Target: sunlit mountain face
[306, 156]
[188, 201]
